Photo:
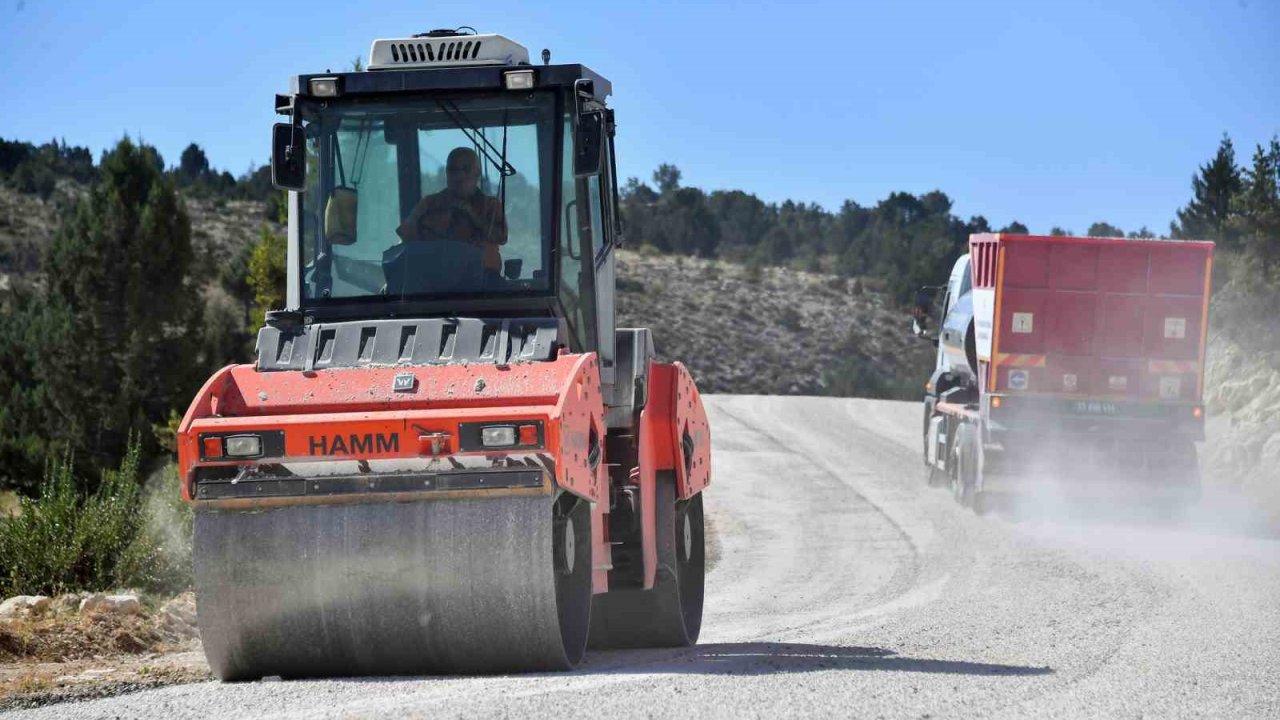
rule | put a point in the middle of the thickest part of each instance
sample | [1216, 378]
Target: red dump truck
[1075, 357]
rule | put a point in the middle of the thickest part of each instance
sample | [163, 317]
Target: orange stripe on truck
[1204, 320]
[996, 319]
[1172, 367]
[1020, 360]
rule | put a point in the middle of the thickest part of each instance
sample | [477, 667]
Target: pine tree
[1258, 210]
[267, 272]
[1208, 215]
[121, 313]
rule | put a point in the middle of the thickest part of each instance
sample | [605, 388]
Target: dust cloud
[1151, 482]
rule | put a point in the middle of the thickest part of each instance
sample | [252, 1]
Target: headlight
[498, 436]
[243, 446]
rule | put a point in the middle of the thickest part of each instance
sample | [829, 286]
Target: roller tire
[669, 614]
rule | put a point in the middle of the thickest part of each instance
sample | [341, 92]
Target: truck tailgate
[1096, 318]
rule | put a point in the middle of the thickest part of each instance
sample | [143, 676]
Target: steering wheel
[434, 267]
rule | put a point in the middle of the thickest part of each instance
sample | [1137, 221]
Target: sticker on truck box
[1118, 382]
[1070, 382]
[1175, 328]
[1023, 322]
[984, 304]
[1018, 379]
[1170, 388]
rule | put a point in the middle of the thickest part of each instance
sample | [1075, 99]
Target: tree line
[902, 242]
[36, 169]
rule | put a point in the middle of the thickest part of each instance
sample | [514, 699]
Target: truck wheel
[964, 483]
[669, 614]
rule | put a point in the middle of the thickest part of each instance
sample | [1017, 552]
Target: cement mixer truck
[1077, 357]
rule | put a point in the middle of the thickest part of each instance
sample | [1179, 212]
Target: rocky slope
[771, 331]
[1242, 448]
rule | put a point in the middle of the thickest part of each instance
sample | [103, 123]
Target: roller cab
[446, 457]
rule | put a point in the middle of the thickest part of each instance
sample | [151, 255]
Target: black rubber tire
[669, 614]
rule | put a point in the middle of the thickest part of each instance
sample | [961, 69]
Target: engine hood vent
[450, 51]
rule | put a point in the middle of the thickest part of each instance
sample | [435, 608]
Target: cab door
[602, 189]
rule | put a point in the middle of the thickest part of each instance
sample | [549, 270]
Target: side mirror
[288, 157]
[588, 144]
[919, 328]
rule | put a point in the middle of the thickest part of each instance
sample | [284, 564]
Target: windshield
[439, 196]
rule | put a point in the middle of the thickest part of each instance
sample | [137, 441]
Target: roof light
[518, 80]
[1197, 411]
[324, 87]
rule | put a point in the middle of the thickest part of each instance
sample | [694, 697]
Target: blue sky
[1051, 113]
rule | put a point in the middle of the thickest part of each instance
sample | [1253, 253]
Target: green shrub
[117, 536]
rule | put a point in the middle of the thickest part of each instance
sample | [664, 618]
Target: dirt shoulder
[53, 650]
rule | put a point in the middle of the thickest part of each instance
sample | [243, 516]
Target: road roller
[446, 458]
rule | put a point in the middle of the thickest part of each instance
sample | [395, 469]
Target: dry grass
[9, 505]
[59, 657]
[61, 639]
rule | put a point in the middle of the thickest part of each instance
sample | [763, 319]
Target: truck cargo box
[1118, 321]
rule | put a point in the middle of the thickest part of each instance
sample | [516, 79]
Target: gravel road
[844, 587]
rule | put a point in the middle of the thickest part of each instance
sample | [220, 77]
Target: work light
[498, 436]
[519, 80]
[243, 446]
[324, 87]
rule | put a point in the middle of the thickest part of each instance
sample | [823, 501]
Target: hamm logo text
[354, 444]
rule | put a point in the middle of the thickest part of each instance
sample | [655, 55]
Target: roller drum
[435, 586]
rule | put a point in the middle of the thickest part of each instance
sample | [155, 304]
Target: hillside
[764, 330]
[784, 332]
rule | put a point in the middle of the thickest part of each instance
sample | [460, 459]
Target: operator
[460, 212]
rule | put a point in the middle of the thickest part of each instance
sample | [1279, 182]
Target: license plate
[1092, 407]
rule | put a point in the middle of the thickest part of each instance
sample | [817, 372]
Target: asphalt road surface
[842, 586]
